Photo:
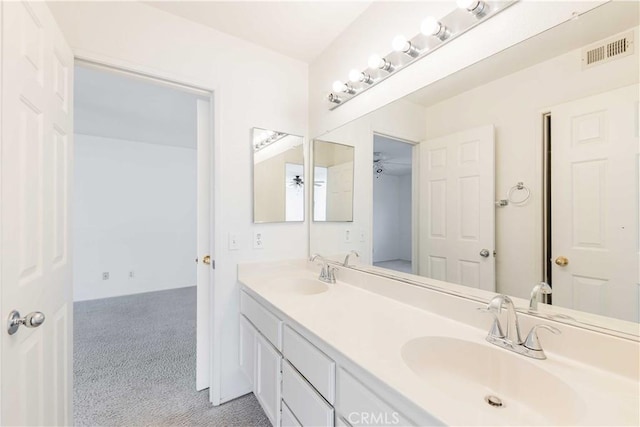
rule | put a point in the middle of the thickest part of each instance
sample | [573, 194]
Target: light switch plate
[348, 238]
[233, 242]
[363, 235]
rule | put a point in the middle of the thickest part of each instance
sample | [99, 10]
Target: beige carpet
[134, 365]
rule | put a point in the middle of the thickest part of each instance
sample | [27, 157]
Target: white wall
[386, 218]
[376, 27]
[134, 210]
[392, 218]
[253, 87]
[514, 105]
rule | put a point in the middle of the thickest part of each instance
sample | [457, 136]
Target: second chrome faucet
[327, 273]
[508, 337]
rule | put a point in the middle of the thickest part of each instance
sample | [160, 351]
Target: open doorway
[392, 203]
[141, 227]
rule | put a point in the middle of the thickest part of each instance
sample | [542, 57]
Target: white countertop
[370, 330]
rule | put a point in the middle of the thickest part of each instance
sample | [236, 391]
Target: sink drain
[494, 401]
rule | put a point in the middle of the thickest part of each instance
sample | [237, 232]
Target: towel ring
[519, 187]
[510, 196]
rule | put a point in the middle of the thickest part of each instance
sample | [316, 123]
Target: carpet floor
[134, 363]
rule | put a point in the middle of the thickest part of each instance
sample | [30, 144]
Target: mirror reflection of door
[594, 199]
[392, 204]
[457, 205]
[333, 166]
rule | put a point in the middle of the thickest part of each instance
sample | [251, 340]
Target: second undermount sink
[299, 285]
[496, 386]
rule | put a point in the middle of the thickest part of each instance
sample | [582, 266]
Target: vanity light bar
[434, 33]
[270, 139]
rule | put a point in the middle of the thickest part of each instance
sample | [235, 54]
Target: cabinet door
[267, 387]
[248, 336]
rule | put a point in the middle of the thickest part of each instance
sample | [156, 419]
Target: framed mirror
[524, 169]
[332, 182]
[278, 176]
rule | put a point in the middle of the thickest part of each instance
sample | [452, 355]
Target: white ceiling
[113, 105]
[298, 29]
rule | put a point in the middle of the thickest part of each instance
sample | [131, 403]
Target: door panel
[37, 146]
[204, 272]
[458, 212]
[594, 199]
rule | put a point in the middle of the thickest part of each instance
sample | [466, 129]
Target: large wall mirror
[519, 169]
[332, 182]
[278, 176]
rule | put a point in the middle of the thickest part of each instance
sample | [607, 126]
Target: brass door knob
[562, 261]
[206, 259]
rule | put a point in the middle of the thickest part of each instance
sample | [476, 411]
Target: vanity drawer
[362, 406]
[312, 363]
[309, 408]
[268, 324]
[288, 419]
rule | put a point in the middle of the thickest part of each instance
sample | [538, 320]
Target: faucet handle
[331, 273]
[532, 342]
[496, 329]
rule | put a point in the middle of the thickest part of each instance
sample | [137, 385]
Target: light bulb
[467, 4]
[476, 7]
[430, 26]
[338, 86]
[356, 76]
[376, 61]
[400, 43]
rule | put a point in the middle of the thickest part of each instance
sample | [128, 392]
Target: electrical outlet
[233, 242]
[105, 275]
[347, 236]
[132, 274]
[258, 242]
[363, 236]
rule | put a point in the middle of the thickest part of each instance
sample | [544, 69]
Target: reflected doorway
[392, 203]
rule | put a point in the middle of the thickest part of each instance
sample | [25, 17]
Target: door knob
[31, 320]
[485, 253]
[562, 261]
[206, 259]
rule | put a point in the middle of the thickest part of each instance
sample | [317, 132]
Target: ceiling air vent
[607, 50]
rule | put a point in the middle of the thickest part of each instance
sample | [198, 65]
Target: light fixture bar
[434, 33]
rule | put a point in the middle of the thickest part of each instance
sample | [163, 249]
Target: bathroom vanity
[369, 350]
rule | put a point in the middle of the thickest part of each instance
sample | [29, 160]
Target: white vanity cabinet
[295, 381]
[262, 364]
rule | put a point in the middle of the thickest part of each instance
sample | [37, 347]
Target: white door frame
[213, 94]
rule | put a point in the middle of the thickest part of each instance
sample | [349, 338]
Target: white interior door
[35, 253]
[594, 199]
[457, 205]
[340, 192]
[204, 274]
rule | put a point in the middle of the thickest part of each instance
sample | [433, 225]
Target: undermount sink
[496, 386]
[299, 285]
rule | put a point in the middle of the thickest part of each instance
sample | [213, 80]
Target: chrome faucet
[346, 259]
[510, 338]
[536, 294]
[327, 273]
